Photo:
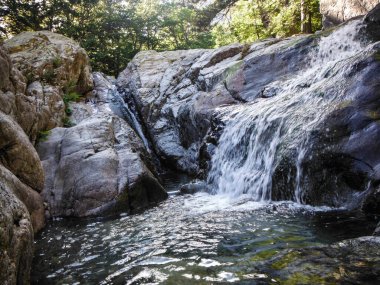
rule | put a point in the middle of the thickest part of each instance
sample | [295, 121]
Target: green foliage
[71, 97]
[253, 20]
[48, 76]
[57, 61]
[66, 122]
[43, 136]
[112, 32]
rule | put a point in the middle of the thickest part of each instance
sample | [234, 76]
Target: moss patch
[300, 278]
[43, 136]
[264, 255]
[285, 260]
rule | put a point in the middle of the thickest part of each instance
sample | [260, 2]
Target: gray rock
[35, 68]
[176, 94]
[372, 23]
[99, 166]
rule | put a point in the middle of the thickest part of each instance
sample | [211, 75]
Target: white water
[256, 134]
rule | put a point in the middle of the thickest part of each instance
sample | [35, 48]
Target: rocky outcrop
[16, 236]
[46, 66]
[176, 94]
[36, 70]
[338, 11]
[100, 165]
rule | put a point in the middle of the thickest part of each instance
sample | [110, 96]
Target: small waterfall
[256, 134]
[129, 116]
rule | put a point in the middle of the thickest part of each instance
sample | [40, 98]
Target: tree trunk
[305, 18]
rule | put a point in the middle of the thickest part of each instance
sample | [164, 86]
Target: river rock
[338, 11]
[194, 187]
[100, 165]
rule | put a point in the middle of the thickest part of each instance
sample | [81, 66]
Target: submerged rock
[354, 261]
[194, 187]
[100, 165]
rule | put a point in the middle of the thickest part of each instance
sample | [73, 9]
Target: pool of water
[188, 239]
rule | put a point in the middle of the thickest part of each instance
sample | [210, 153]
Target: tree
[252, 20]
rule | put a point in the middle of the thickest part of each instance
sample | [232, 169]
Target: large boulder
[46, 66]
[16, 237]
[338, 11]
[175, 94]
[100, 165]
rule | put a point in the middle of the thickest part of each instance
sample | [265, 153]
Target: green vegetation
[253, 20]
[66, 122]
[286, 260]
[57, 61]
[48, 76]
[70, 96]
[112, 32]
[43, 136]
[300, 278]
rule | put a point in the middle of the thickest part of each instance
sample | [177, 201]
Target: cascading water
[256, 134]
[129, 116]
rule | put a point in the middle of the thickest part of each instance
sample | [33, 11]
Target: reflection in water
[185, 240]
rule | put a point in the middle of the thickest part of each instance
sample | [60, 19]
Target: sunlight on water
[187, 238]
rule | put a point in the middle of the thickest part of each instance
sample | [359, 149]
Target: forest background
[113, 31]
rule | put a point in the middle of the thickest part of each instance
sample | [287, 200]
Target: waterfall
[129, 116]
[257, 133]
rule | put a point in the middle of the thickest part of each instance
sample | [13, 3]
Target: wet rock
[372, 22]
[377, 230]
[99, 166]
[342, 156]
[175, 94]
[266, 61]
[338, 11]
[371, 204]
[194, 187]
